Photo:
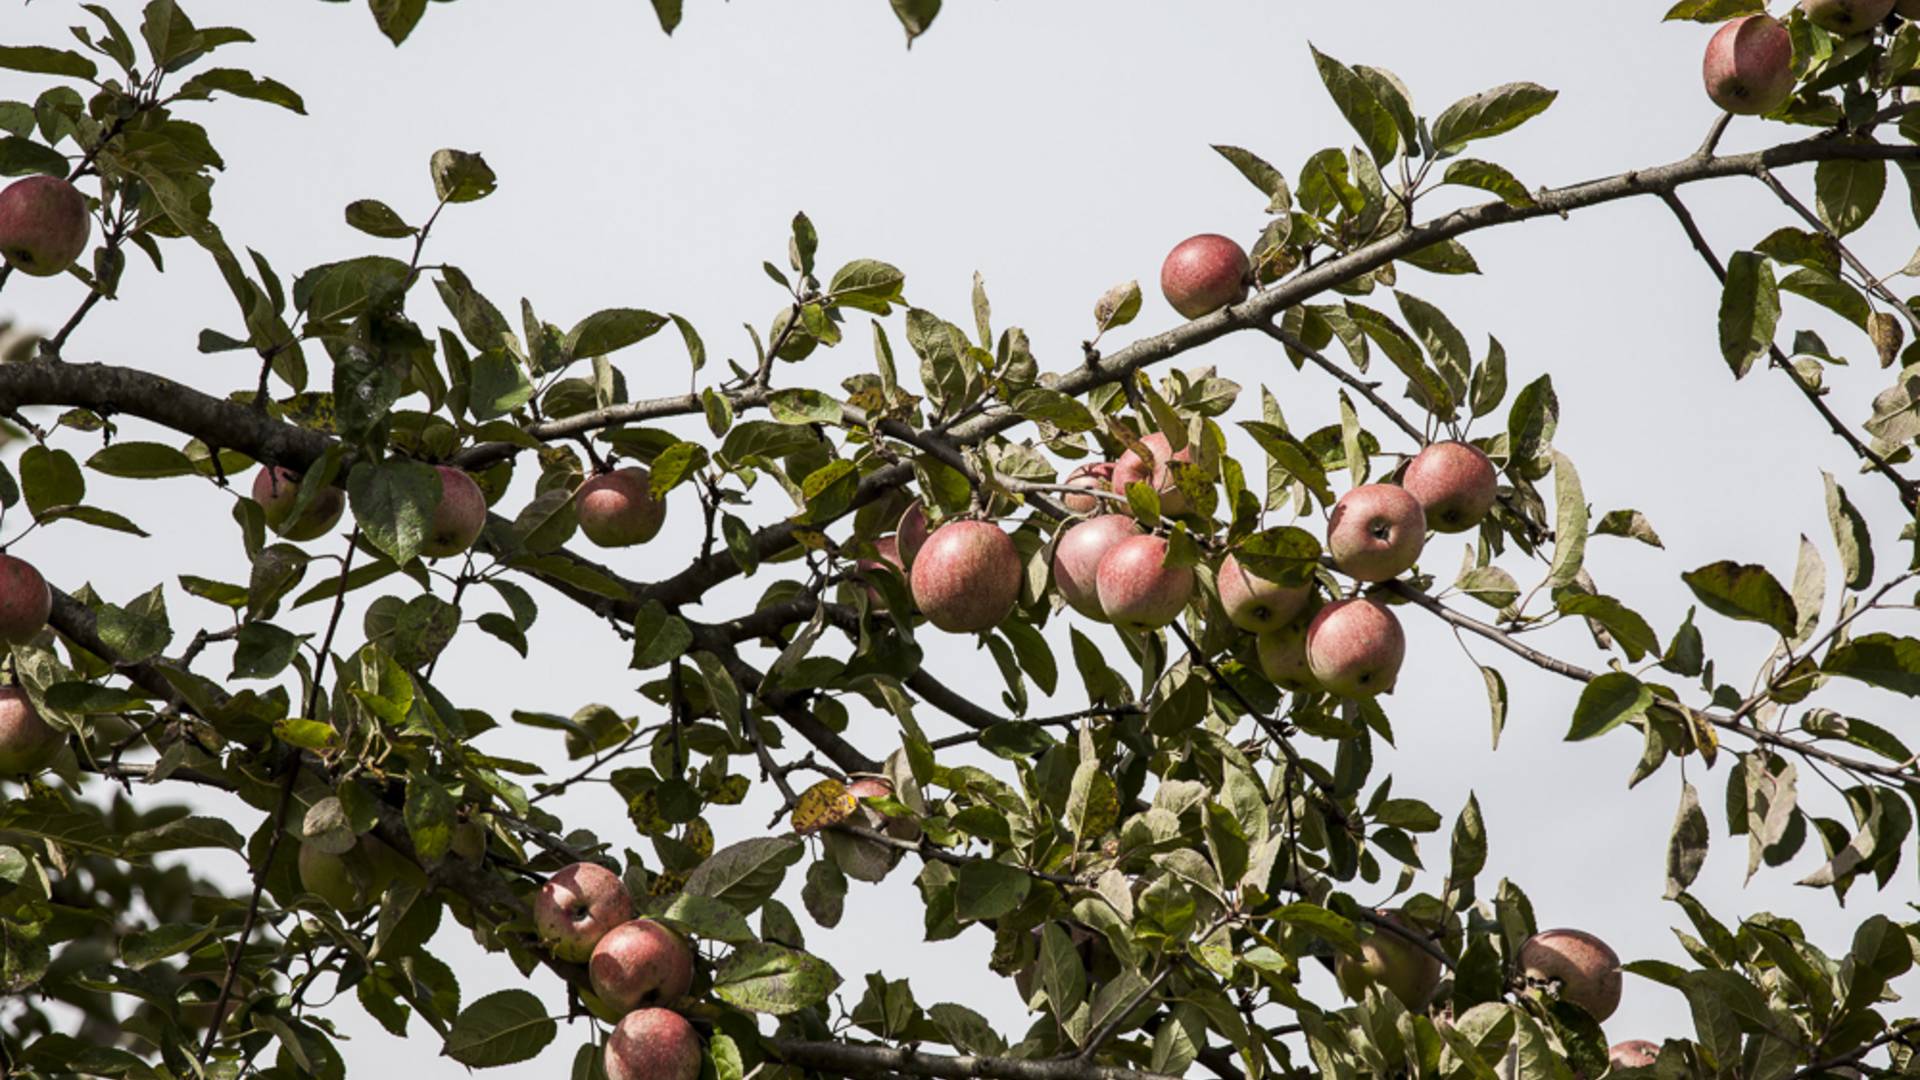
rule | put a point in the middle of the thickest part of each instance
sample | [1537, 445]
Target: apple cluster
[1749, 62]
[638, 968]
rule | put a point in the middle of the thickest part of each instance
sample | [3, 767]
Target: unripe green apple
[27, 742]
[44, 225]
[617, 509]
[1283, 656]
[458, 519]
[276, 489]
[1586, 968]
[1203, 274]
[1409, 972]
[1846, 16]
[967, 577]
[653, 1044]
[25, 601]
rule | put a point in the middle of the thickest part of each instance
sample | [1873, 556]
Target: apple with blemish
[640, 962]
[618, 508]
[1749, 65]
[577, 907]
[459, 517]
[1255, 604]
[1203, 274]
[1633, 1054]
[653, 1044]
[1138, 591]
[1132, 468]
[1076, 560]
[1586, 969]
[1355, 648]
[276, 489]
[966, 577]
[44, 225]
[1376, 532]
[25, 601]
[27, 741]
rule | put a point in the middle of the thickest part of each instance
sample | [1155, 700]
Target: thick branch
[850, 1059]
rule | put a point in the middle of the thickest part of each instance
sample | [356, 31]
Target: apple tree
[1218, 597]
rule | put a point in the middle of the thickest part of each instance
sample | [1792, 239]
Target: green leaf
[21, 156]
[985, 889]
[1831, 293]
[773, 979]
[40, 60]
[1687, 846]
[1879, 659]
[375, 218]
[429, 814]
[394, 502]
[1846, 193]
[1850, 535]
[705, 917]
[1745, 592]
[1485, 175]
[1749, 311]
[867, 285]
[1043, 405]
[262, 651]
[497, 384]
[186, 834]
[1286, 555]
[1469, 849]
[501, 1028]
[144, 948]
[668, 12]
[1261, 175]
[797, 405]
[141, 461]
[1569, 523]
[92, 515]
[50, 478]
[1356, 101]
[1629, 630]
[458, 176]
[1489, 113]
[915, 16]
[1117, 306]
[608, 331]
[1607, 702]
[1713, 11]
[1628, 523]
[745, 874]
[243, 84]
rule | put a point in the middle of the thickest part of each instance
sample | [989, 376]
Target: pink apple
[888, 548]
[1137, 590]
[1455, 484]
[967, 577]
[1586, 969]
[25, 601]
[653, 1044]
[1355, 647]
[576, 907]
[1255, 604]
[1097, 476]
[1376, 531]
[1076, 560]
[44, 225]
[275, 489]
[27, 742]
[1749, 65]
[617, 508]
[1131, 468]
[1203, 274]
[1635, 1053]
[640, 962]
[458, 519]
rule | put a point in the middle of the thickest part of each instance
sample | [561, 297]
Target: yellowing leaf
[825, 803]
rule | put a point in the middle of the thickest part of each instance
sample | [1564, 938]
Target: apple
[459, 517]
[1908, 9]
[576, 907]
[275, 489]
[1097, 476]
[44, 225]
[1633, 1054]
[1255, 604]
[25, 601]
[913, 531]
[966, 577]
[1846, 16]
[1455, 484]
[1376, 531]
[1203, 274]
[1133, 469]
[27, 742]
[1283, 657]
[348, 882]
[617, 508]
[640, 962]
[470, 841]
[1406, 970]
[1076, 560]
[653, 1044]
[879, 787]
[1749, 65]
[1587, 970]
[1138, 591]
[1354, 648]
[888, 548]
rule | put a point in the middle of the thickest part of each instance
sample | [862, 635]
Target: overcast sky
[1057, 148]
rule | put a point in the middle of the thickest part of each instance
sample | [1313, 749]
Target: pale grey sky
[1058, 148]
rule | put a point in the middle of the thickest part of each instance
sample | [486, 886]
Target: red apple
[1255, 604]
[1409, 972]
[640, 962]
[1749, 65]
[1076, 560]
[1283, 657]
[1097, 476]
[27, 742]
[44, 225]
[1587, 970]
[967, 577]
[1133, 469]
[275, 489]
[1633, 1054]
[888, 548]
[576, 908]
[913, 532]
[1138, 591]
[459, 517]
[1354, 648]
[653, 1044]
[25, 601]
[1846, 16]
[1203, 274]
[617, 509]
[1376, 531]
[1455, 484]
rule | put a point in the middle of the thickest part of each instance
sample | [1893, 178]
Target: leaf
[502, 1028]
[144, 948]
[186, 834]
[1879, 659]
[1261, 175]
[1687, 847]
[459, 176]
[1485, 175]
[1569, 523]
[141, 461]
[497, 384]
[1627, 627]
[915, 16]
[773, 979]
[798, 405]
[50, 478]
[1356, 101]
[1607, 702]
[611, 330]
[1744, 592]
[375, 218]
[1850, 535]
[867, 285]
[1489, 113]
[1117, 306]
[745, 874]
[1749, 311]
[244, 84]
[707, 918]
[668, 12]
[41, 60]
[827, 802]
[1713, 11]
[985, 889]
[1469, 848]
[1846, 193]
[1628, 523]
[394, 502]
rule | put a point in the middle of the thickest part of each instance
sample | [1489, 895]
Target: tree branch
[866, 1060]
